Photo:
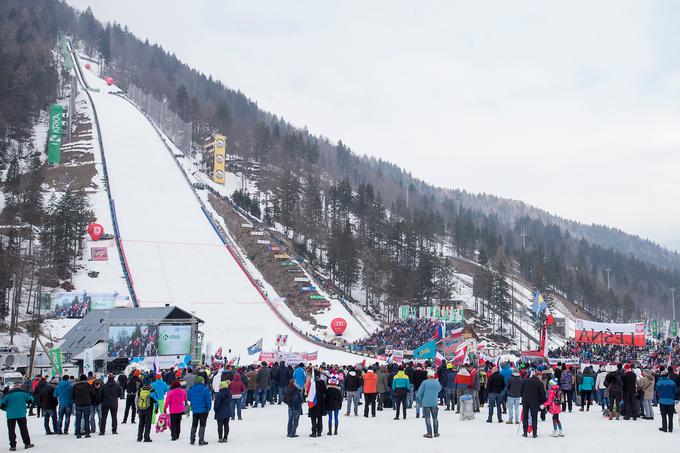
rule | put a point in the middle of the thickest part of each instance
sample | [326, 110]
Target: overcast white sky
[572, 106]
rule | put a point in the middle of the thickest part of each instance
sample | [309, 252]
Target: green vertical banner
[655, 328]
[55, 358]
[674, 328]
[54, 134]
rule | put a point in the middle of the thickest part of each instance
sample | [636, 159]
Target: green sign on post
[674, 328]
[55, 358]
[54, 134]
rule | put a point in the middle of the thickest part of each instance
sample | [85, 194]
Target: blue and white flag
[255, 348]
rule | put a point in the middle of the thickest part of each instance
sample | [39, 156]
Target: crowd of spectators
[655, 352]
[400, 334]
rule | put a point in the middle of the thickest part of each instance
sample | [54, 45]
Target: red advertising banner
[630, 334]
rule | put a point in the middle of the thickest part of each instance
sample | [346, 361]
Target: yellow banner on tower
[220, 152]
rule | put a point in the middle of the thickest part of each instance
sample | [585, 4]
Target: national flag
[311, 393]
[461, 356]
[549, 319]
[156, 365]
[456, 332]
[255, 348]
[218, 353]
[232, 361]
[539, 303]
[426, 351]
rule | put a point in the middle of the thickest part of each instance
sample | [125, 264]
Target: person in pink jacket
[175, 402]
[554, 406]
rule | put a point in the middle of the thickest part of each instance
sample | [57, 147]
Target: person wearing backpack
[145, 402]
[292, 396]
[14, 403]
[223, 411]
[201, 402]
[555, 408]
[175, 403]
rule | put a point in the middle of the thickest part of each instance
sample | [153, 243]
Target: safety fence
[177, 130]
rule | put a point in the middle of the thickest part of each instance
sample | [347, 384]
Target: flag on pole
[426, 351]
[539, 303]
[461, 353]
[156, 365]
[549, 319]
[311, 393]
[255, 348]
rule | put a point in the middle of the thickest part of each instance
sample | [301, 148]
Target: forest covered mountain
[366, 220]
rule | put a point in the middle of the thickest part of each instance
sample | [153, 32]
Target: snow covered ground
[173, 254]
[264, 430]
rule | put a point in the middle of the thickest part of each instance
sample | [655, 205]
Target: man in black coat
[282, 380]
[533, 396]
[83, 395]
[495, 386]
[630, 402]
[131, 388]
[49, 403]
[110, 393]
[122, 382]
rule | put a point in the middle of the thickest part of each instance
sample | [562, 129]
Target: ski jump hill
[171, 251]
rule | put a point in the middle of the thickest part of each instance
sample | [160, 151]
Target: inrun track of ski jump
[172, 252]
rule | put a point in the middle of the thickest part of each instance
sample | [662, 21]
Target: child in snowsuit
[554, 406]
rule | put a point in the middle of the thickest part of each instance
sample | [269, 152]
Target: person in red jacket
[237, 389]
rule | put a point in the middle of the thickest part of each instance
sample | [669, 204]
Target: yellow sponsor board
[220, 157]
[281, 256]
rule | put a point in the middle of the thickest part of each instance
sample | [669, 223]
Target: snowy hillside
[173, 253]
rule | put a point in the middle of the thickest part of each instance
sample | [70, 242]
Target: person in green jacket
[14, 403]
[400, 385]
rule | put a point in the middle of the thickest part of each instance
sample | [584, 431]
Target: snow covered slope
[173, 254]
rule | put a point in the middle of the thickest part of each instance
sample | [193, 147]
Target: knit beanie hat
[200, 380]
[224, 384]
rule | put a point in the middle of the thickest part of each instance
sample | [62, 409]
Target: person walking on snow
[371, 391]
[428, 394]
[64, 393]
[160, 388]
[555, 408]
[292, 396]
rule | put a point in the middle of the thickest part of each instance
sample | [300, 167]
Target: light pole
[608, 270]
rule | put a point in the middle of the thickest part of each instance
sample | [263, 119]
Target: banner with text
[448, 313]
[629, 334]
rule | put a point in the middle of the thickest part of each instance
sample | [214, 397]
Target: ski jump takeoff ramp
[173, 254]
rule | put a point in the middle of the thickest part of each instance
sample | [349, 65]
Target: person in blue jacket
[300, 376]
[14, 403]
[223, 411]
[63, 392]
[160, 388]
[450, 387]
[666, 391]
[428, 394]
[201, 402]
